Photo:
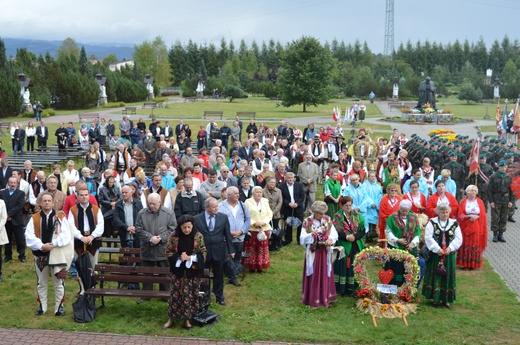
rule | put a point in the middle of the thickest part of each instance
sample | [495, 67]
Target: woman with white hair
[258, 246]
[443, 238]
[402, 232]
[473, 224]
[317, 236]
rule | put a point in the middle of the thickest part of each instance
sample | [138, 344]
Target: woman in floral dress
[186, 253]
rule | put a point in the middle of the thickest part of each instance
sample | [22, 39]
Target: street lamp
[102, 88]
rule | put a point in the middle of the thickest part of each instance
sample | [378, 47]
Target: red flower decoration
[364, 282]
[358, 269]
[363, 256]
[408, 259]
[408, 277]
[385, 251]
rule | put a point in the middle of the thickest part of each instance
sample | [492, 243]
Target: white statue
[26, 95]
[395, 92]
[103, 91]
[149, 87]
[200, 87]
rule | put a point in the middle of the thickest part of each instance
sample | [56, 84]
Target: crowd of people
[250, 189]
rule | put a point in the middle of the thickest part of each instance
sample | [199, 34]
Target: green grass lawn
[267, 307]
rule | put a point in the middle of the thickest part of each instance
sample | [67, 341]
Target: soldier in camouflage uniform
[457, 174]
[501, 199]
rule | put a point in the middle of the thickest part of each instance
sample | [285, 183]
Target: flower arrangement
[378, 304]
[427, 109]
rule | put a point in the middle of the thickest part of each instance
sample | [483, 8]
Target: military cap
[502, 163]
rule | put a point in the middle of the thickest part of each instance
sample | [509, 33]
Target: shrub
[113, 105]
[170, 93]
[232, 92]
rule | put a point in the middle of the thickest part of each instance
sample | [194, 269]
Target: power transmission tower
[389, 28]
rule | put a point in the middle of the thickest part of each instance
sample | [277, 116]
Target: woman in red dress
[417, 198]
[473, 224]
[439, 197]
[389, 204]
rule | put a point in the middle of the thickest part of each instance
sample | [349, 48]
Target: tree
[232, 92]
[152, 57]
[109, 59]
[68, 47]
[84, 65]
[469, 93]
[305, 73]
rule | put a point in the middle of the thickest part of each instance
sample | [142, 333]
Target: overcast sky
[131, 22]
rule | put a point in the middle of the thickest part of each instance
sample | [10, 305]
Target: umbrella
[293, 221]
[85, 306]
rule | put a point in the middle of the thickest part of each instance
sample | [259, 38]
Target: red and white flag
[474, 158]
[335, 116]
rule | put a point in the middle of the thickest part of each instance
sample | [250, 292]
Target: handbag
[425, 253]
[206, 317]
[261, 236]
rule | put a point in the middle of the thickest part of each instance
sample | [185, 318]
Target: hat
[471, 140]
[486, 137]
[492, 140]
[502, 163]
[485, 143]
[413, 135]
[457, 144]
[453, 153]
[508, 155]
[503, 142]
[483, 156]
[512, 145]
[316, 136]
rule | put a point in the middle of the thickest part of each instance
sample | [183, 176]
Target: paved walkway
[47, 337]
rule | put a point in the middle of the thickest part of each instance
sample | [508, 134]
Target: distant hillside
[42, 47]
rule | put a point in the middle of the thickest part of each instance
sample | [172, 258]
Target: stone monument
[24, 92]
[102, 89]
[149, 87]
[200, 87]
[426, 94]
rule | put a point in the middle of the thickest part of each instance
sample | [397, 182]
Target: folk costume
[439, 284]
[332, 189]
[435, 199]
[184, 289]
[387, 207]
[474, 233]
[397, 228]
[50, 228]
[352, 224]
[258, 250]
[318, 288]
[87, 221]
[416, 200]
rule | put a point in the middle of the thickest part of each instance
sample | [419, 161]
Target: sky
[130, 22]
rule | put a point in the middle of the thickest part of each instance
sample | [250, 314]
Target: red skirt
[258, 253]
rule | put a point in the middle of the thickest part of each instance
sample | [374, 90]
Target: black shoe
[501, 237]
[61, 311]
[221, 302]
[234, 282]
[23, 259]
[510, 219]
[1, 279]
[495, 236]
[7, 259]
[39, 312]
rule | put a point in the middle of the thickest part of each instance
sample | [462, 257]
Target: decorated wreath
[370, 299]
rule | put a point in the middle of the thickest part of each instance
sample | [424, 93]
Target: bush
[113, 105]
[232, 92]
[170, 93]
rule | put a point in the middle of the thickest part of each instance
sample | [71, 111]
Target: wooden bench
[152, 105]
[108, 274]
[401, 104]
[212, 113]
[88, 116]
[159, 104]
[246, 114]
[132, 110]
[190, 99]
[4, 125]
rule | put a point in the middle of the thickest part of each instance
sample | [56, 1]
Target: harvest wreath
[377, 303]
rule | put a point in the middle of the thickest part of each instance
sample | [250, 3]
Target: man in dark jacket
[293, 198]
[14, 200]
[125, 216]
[189, 201]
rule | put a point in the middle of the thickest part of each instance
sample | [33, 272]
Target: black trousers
[289, 234]
[239, 248]
[162, 263]
[17, 232]
[217, 267]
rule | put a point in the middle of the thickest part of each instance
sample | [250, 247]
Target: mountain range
[99, 50]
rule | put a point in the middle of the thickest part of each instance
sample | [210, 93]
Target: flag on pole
[334, 114]
[516, 119]
[498, 114]
[474, 158]
[347, 115]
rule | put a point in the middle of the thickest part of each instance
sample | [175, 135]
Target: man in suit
[189, 201]
[293, 197]
[167, 130]
[42, 133]
[246, 151]
[125, 217]
[308, 173]
[5, 173]
[14, 200]
[149, 147]
[179, 128]
[19, 140]
[215, 228]
[227, 178]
